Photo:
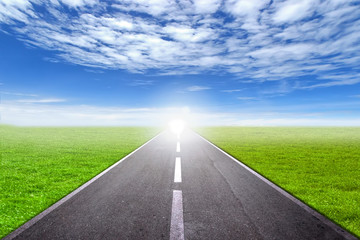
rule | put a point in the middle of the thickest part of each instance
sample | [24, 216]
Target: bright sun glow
[177, 126]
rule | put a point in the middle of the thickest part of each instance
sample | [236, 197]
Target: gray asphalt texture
[221, 200]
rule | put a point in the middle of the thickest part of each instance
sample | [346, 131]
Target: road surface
[179, 189]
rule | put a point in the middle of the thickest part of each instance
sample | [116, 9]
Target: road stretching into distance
[179, 188]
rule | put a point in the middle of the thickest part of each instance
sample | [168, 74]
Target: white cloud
[246, 98]
[333, 83]
[283, 53]
[79, 3]
[335, 80]
[27, 114]
[18, 10]
[232, 90]
[120, 24]
[294, 10]
[45, 100]
[185, 33]
[184, 36]
[18, 94]
[153, 7]
[245, 7]
[196, 88]
[206, 6]
[298, 122]
[141, 83]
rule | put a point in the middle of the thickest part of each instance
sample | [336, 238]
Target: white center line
[177, 176]
[177, 220]
[177, 147]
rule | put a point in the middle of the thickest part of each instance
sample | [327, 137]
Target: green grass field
[39, 166]
[320, 166]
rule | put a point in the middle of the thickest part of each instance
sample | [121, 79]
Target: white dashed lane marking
[177, 175]
[177, 220]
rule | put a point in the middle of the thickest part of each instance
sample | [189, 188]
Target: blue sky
[213, 62]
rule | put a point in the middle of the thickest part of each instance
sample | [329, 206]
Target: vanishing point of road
[179, 188]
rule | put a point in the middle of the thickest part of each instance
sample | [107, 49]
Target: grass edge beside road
[68, 157]
[294, 159]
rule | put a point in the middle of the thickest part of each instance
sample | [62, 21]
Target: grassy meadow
[39, 166]
[320, 166]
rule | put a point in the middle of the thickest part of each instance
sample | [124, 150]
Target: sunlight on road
[177, 126]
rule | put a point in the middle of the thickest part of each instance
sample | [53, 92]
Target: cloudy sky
[213, 62]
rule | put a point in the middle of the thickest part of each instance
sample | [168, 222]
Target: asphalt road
[214, 198]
